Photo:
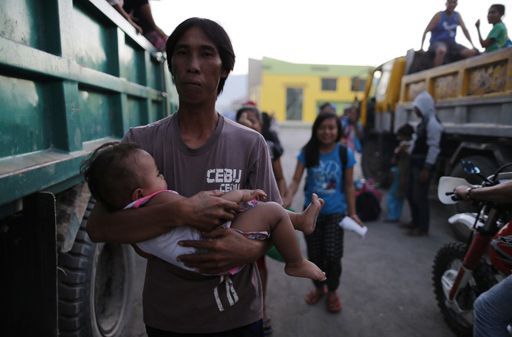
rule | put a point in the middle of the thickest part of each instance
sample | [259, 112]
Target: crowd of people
[212, 195]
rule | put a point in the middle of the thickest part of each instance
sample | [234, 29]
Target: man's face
[196, 66]
[451, 4]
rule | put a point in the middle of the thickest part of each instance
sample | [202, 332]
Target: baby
[123, 176]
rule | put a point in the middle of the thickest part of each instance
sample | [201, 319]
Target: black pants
[417, 196]
[251, 330]
[325, 249]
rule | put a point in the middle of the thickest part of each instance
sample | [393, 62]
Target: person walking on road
[329, 168]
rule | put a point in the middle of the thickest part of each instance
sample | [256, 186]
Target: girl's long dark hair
[311, 149]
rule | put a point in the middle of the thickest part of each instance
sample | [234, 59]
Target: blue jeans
[493, 310]
[394, 204]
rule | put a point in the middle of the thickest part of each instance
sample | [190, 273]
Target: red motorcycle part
[500, 250]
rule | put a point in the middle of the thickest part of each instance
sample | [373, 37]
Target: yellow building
[295, 91]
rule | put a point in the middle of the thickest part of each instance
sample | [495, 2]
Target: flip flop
[314, 296]
[333, 303]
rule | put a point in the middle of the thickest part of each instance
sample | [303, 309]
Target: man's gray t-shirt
[233, 158]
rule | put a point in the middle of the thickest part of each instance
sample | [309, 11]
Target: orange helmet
[500, 251]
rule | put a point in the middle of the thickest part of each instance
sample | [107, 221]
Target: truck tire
[95, 287]
[487, 167]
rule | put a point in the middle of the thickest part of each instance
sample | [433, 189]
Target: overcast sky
[349, 32]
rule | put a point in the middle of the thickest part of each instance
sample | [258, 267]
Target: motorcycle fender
[466, 219]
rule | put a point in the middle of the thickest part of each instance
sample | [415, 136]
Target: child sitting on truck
[123, 176]
[498, 36]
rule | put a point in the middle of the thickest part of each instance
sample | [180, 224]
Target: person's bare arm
[484, 42]
[501, 193]
[278, 174]
[350, 194]
[433, 22]
[226, 249]
[203, 211]
[294, 184]
[465, 31]
[128, 17]
[244, 195]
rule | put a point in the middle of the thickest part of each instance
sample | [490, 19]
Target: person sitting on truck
[443, 29]
[498, 36]
[424, 152]
[197, 149]
[124, 176]
[138, 14]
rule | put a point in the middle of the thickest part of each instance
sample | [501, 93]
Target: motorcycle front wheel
[459, 314]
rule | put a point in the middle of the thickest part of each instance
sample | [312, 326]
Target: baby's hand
[259, 195]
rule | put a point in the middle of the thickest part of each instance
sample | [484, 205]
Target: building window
[329, 84]
[294, 98]
[357, 84]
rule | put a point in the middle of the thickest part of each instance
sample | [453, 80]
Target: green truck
[73, 75]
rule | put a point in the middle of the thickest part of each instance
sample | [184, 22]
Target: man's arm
[501, 193]
[465, 31]
[433, 22]
[226, 248]
[203, 211]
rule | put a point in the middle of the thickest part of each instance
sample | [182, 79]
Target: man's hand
[205, 211]
[222, 250]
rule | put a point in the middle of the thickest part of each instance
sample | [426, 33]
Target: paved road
[385, 287]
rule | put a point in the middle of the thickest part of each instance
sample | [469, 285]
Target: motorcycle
[463, 271]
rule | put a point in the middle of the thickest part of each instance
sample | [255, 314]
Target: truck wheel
[95, 287]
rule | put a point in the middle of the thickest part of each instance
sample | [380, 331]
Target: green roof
[278, 67]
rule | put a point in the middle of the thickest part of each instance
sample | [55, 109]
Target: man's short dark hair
[215, 33]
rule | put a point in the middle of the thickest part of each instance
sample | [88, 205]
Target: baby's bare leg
[272, 217]
[306, 221]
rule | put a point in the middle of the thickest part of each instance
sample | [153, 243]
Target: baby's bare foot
[311, 213]
[306, 269]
